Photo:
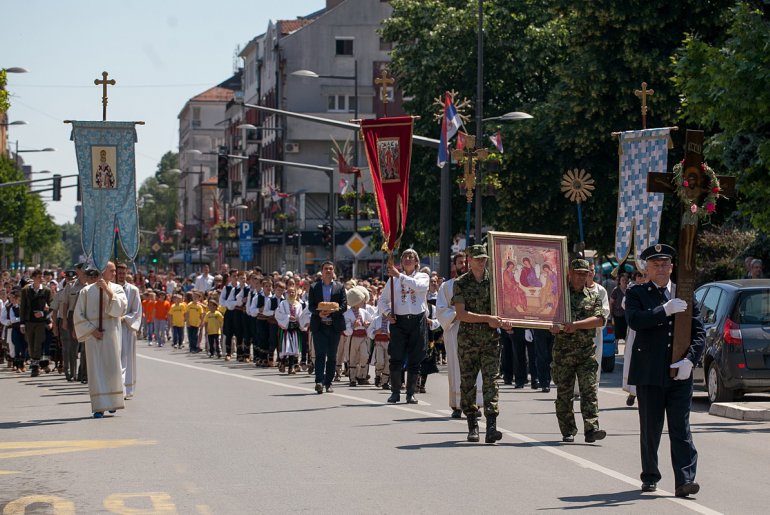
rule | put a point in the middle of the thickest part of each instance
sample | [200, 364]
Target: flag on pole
[461, 140]
[450, 124]
[497, 141]
[344, 184]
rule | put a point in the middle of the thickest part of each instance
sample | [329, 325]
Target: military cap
[79, 265]
[92, 272]
[657, 251]
[580, 265]
[477, 251]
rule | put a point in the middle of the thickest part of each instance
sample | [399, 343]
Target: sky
[160, 52]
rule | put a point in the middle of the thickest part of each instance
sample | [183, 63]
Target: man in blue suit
[326, 326]
[650, 310]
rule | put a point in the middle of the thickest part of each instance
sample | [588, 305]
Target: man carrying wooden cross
[650, 310]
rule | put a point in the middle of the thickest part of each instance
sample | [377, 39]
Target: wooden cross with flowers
[698, 188]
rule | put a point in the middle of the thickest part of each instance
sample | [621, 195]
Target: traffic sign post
[245, 239]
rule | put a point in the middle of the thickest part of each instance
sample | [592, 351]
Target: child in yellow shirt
[194, 318]
[214, 321]
[176, 316]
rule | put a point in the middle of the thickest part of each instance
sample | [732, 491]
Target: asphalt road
[205, 436]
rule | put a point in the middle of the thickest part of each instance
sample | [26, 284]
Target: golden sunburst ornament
[577, 185]
[462, 107]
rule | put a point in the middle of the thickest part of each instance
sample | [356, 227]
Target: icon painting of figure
[104, 177]
[514, 298]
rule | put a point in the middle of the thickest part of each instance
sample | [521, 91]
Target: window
[341, 103]
[710, 304]
[344, 46]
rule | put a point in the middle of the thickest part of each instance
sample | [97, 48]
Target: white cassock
[105, 382]
[445, 313]
[128, 330]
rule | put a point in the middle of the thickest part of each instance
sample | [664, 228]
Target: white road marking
[689, 504]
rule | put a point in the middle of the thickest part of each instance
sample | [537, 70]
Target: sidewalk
[754, 411]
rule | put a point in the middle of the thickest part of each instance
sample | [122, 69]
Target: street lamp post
[354, 78]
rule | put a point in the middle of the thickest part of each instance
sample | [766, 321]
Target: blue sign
[187, 257]
[245, 247]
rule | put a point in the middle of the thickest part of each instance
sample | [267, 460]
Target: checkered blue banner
[105, 155]
[638, 223]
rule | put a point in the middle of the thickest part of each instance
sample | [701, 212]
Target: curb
[738, 412]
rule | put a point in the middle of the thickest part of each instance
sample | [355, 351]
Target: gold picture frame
[528, 274]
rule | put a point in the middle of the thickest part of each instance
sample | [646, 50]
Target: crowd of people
[85, 324]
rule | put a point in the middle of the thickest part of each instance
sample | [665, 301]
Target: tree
[573, 66]
[13, 200]
[162, 210]
[724, 87]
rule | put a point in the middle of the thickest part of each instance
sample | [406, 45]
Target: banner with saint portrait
[107, 168]
[388, 145]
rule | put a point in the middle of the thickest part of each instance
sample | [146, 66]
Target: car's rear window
[754, 307]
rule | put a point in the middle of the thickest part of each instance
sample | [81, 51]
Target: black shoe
[595, 434]
[319, 388]
[649, 486]
[535, 385]
[35, 372]
[507, 381]
[473, 429]
[518, 386]
[456, 413]
[394, 397]
[630, 401]
[385, 386]
[329, 389]
[353, 383]
[377, 381]
[493, 435]
[687, 489]
[568, 438]
[411, 399]
[546, 389]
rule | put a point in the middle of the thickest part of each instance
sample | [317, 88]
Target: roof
[286, 27]
[744, 284]
[215, 94]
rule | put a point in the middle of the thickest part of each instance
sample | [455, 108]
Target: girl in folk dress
[287, 315]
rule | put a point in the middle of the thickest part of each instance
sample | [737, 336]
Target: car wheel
[608, 364]
[716, 389]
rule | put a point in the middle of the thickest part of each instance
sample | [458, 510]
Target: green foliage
[13, 200]
[72, 239]
[163, 208]
[573, 66]
[38, 232]
[724, 88]
[4, 103]
[720, 254]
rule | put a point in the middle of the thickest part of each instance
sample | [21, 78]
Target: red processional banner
[388, 145]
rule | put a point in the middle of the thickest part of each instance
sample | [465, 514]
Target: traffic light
[223, 171]
[57, 187]
[252, 174]
[326, 235]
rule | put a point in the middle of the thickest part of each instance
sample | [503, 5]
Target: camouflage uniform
[574, 355]
[477, 345]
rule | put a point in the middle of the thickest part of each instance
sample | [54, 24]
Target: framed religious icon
[528, 275]
[389, 155]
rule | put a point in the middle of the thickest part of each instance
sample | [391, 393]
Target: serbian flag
[497, 141]
[388, 145]
[450, 124]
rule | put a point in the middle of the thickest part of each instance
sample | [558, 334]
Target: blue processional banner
[638, 222]
[107, 168]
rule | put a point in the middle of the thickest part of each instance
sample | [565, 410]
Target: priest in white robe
[105, 382]
[129, 328]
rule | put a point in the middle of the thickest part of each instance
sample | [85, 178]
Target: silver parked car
[736, 317]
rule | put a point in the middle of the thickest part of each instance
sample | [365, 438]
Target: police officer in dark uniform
[650, 310]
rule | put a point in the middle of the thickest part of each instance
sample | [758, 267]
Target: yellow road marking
[10, 450]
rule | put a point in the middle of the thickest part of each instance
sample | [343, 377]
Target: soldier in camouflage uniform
[574, 355]
[477, 343]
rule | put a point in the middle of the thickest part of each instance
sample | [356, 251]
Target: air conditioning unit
[291, 148]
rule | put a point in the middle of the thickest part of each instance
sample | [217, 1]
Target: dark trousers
[524, 358]
[192, 337]
[239, 323]
[673, 401]
[325, 342]
[35, 332]
[213, 344]
[262, 338]
[177, 335]
[506, 357]
[20, 348]
[621, 327]
[543, 355]
[228, 331]
[408, 341]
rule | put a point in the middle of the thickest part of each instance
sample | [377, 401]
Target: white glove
[528, 336]
[684, 369]
[674, 306]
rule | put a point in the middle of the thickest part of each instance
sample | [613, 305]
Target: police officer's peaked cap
[660, 250]
[92, 272]
[477, 251]
[580, 265]
[79, 265]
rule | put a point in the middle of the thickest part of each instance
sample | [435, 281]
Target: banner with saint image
[107, 168]
[388, 145]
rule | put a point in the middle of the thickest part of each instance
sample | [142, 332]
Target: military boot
[493, 434]
[473, 429]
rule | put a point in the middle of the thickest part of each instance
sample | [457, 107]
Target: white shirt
[204, 283]
[350, 319]
[445, 310]
[283, 312]
[411, 294]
